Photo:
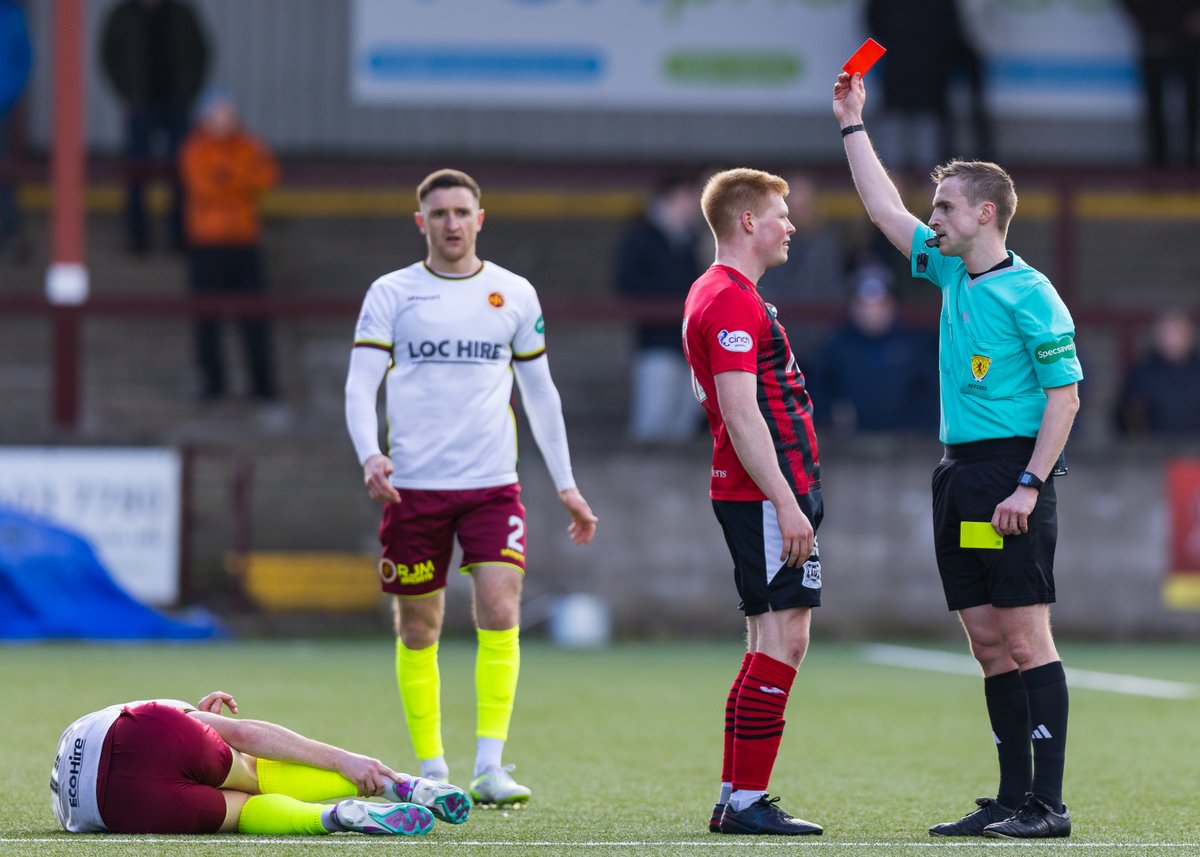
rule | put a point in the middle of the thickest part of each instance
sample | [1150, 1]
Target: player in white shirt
[448, 335]
[165, 766]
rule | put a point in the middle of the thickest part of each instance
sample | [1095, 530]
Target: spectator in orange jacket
[225, 172]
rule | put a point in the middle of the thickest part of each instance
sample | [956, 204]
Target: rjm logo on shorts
[735, 340]
[420, 572]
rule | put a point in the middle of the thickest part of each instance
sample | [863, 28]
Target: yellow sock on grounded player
[497, 665]
[280, 814]
[421, 691]
[301, 781]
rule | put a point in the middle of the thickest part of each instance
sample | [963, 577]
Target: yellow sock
[421, 692]
[497, 665]
[301, 781]
[280, 814]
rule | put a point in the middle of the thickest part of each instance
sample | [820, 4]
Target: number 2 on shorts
[517, 534]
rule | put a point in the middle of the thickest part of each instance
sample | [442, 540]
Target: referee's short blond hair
[983, 181]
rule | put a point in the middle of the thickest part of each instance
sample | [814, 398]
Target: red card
[864, 58]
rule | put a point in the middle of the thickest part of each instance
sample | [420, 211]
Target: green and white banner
[1044, 57]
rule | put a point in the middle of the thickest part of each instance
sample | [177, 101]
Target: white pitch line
[948, 662]
[358, 841]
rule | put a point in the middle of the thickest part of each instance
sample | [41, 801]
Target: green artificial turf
[621, 746]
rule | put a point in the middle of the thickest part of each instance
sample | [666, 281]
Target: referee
[1009, 377]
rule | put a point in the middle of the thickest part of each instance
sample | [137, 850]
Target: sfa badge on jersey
[980, 366]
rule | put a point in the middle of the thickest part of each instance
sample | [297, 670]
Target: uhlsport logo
[735, 340]
[980, 366]
[1052, 352]
[496, 299]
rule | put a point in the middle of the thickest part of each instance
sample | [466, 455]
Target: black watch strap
[1029, 480]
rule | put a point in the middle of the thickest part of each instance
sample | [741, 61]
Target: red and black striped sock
[730, 707]
[758, 721]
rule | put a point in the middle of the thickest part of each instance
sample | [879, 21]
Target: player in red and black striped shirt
[765, 481]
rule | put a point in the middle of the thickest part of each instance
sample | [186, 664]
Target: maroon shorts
[160, 772]
[418, 535]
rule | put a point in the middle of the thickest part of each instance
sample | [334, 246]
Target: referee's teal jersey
[1004, 337]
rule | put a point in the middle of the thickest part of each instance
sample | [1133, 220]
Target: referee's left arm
[1062, 404]
[1011, 517]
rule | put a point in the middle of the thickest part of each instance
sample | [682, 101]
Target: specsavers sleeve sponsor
[1049, 334]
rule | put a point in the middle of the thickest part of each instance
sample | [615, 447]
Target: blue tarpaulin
[52, 586]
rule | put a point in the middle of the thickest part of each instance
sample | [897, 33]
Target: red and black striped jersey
[728, 327]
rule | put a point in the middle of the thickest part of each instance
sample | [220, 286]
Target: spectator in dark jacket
[658, 260]
[927, 47]
[876, 374]
[1169, 44]
[155, 55]
[1162, 393]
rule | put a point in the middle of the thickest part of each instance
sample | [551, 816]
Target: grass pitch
[622, 746]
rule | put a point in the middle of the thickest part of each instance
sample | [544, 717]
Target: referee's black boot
[1034, 819]
[972, 824]
[765, 818]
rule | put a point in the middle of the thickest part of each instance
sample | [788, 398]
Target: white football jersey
[450, 383]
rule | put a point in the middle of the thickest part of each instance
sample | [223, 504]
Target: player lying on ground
[164, 766]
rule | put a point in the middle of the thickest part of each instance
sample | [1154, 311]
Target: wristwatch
[1029, 480]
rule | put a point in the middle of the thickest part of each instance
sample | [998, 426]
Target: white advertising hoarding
[1044, 57]
[743, 55]
[125, 501]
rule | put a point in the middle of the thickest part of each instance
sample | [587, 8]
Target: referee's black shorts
[967, 486]
[751, 530]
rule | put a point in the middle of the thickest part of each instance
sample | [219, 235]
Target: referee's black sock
[1008, 711]
[1046, 689]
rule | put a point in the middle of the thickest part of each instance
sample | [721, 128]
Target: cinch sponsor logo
[463, 349]
[735, 340]
[76, 759]
[1052, 352]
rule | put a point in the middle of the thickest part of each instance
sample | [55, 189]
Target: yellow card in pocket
[979, 534]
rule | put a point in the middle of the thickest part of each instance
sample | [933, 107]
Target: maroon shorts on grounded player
[160, 772]
[418, 535]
